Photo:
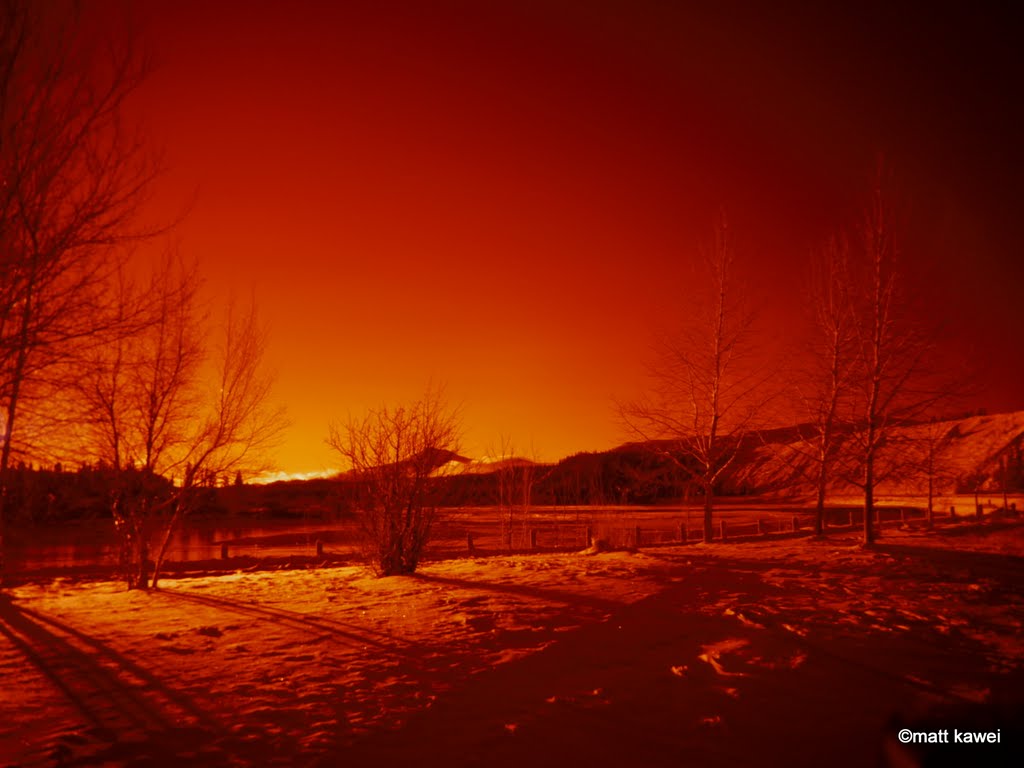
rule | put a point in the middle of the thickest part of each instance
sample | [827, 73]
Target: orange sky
[508, 197]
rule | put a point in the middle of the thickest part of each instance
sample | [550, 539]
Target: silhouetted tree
[825, 388]
[394, 455]
[892, 347]
[155, 409]
[706, 389]
[73, 181]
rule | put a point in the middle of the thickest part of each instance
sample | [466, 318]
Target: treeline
[39, 496]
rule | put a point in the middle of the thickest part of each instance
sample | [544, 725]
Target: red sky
[508, 197]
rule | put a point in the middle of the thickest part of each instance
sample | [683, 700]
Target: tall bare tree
[394, 455]
[825, 389]
[706, 389]
[169, 414]
[73, 181]
[892, 349]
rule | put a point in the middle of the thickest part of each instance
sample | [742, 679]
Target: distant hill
[966, 453]
[502, 465]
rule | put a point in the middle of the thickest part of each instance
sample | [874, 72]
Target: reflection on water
[85, 543]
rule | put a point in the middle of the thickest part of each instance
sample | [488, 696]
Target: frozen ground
[791, 652]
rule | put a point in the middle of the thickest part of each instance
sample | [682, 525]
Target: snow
[788, 652]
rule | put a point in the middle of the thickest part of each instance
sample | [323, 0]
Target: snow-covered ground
[784, 652]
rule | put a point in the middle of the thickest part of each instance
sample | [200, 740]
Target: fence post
[636, 537]
[469, 542]
[223, 551]
[590, 536]
[682, 532]
[760, 527]
[903, 516]
[721, 529]
[952, 512]
[796, 523]
[533, 538]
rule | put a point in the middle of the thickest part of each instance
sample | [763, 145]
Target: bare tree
[928, 461]
[73, 181]
[892, 348]
[825, 388]
[394, 456]
[706, 389]
[168, 415]
[504, 475]
[515, 476]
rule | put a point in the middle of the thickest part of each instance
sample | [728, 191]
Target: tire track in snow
[123, 703]
[304, 621]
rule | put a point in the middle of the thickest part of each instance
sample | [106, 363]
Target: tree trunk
[1006, 481]
[819, 509]
[869, 500]
[709, 506]
[931, 499]
[5, 481]
[162, 552]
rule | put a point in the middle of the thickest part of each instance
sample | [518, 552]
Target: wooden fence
[469, 536]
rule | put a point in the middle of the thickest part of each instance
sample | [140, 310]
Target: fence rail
[478, 537]
[466, 534]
